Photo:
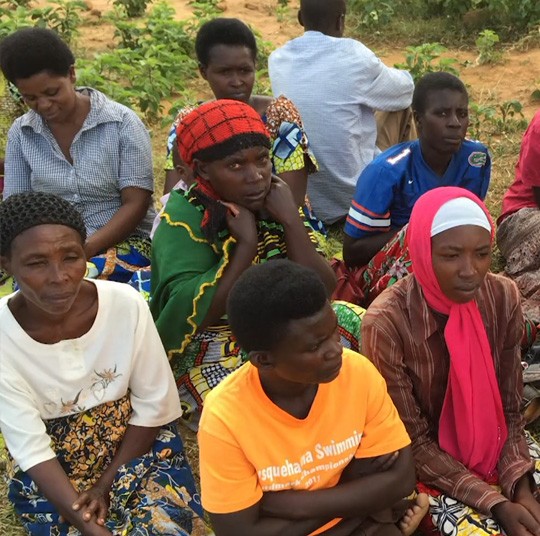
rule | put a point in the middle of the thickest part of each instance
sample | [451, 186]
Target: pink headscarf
[472, 426]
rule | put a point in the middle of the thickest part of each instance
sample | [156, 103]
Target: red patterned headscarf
[217, 125]
[211, 132]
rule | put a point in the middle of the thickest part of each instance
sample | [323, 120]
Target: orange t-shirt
[248, 445]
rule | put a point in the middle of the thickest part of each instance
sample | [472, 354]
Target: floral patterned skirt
[449, 517]
[214, 353]
[151, 495]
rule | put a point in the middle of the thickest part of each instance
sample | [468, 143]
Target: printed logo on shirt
[395, 159]
[305, 472]
[477, 159]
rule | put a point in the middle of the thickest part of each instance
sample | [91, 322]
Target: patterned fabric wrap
[214, 123]
[519, 242]
[214, 353]
[151, 495]
[449, 517]
[121, 261]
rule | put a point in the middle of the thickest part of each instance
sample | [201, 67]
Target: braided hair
[23, 211]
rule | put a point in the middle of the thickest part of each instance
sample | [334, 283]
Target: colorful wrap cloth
[152, 495]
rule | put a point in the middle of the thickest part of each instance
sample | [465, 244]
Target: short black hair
[266, 297]
[23, 211]
[319, 14]
[434, 82]
[223, 31]
[30, 51]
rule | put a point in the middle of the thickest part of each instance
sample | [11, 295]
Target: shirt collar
[101, 111]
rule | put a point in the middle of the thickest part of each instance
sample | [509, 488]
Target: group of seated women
[88, 401]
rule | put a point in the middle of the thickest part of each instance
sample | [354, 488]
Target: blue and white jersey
[391, 184]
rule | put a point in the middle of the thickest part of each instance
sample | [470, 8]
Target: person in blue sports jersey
[375, 252]
[391, 184]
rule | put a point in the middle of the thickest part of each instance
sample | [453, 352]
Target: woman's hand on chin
[242, 226]
[279, 202]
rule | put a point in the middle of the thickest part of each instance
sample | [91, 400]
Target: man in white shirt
[337, 84]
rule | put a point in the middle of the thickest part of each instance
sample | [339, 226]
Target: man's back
[337, 83]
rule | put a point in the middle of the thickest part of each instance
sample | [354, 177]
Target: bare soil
[515, 78]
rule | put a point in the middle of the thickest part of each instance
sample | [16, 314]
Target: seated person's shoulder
[231, 395]
[393, 304]
[504, 290]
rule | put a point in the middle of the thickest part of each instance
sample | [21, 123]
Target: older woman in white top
[87, 397]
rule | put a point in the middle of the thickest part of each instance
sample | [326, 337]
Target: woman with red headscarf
[235, 214]
[447, 340]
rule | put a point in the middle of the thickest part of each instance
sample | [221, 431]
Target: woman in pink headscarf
[447, 340]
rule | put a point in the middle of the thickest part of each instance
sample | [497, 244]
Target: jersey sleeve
[370, 208]
[229, 481]
[384, 432]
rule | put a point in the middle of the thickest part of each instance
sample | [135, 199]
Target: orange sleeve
[229, 481]
[383, 432]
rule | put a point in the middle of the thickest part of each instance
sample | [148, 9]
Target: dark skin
[231, 75]
[310, 354]
[461, 259]
[236, 179]
[332, 25]
[65, 110]
[442, 126]
[54, 304]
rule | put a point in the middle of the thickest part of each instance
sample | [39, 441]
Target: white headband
[456, 212]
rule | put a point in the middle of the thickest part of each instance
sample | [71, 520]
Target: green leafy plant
[370, 13]
[62, 16]
[486, 44]
[153, 61]
[427, 58]
[134, 8]
[488, 120]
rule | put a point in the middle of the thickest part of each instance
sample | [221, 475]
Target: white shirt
[337, 83]
[121, 352]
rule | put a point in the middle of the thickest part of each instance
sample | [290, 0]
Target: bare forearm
[356, 498]
[53, 482]
[264, 526]
[137, 440]
[119, 227]
[242, 259]
[301, 250]
[358, 252]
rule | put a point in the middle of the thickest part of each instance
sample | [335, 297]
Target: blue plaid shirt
[112, 151]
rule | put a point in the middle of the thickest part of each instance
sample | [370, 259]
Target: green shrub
[427, 58]
[486, 42]
[133, 8]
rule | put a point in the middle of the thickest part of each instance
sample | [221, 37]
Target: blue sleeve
[369, 212]
[486, 177]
